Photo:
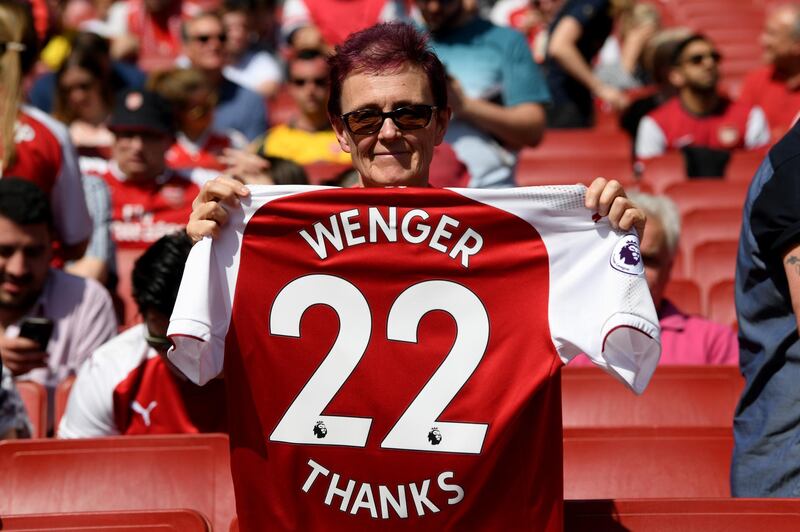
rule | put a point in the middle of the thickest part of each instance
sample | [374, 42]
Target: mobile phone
[37, 329]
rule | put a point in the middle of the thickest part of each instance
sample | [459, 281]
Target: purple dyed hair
[384, 49]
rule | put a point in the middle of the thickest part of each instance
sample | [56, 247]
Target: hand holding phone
[26, 352]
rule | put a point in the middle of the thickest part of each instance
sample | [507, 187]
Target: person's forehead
[315, 66]
[697, 47]
[204, 24]
[22, 235]
[408, 85]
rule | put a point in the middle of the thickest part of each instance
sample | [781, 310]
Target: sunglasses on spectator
[698, 59]
[368, 121]
[82, 86]
[13, 46]
[204, 38]
[319, 82]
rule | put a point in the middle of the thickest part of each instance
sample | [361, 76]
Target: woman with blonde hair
[35, 146]
[198, 147]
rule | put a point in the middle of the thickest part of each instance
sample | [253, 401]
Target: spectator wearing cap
[148, 199]
[78, 310]
[700, 120]
[237, 108]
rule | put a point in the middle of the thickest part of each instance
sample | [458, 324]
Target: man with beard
[79, 310]
[699, 119]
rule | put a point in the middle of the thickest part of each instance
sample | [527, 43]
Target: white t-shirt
[395, 353]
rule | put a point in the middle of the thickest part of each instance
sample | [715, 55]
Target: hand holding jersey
[396, 353]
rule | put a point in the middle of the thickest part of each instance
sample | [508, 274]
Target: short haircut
[197, 16]
[24, 203]
[385, 49]
[681, 46]
[665, 210]
[157, 273]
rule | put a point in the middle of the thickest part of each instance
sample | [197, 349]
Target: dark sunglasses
[319, 82]
[159, 343]
[13, 46]
[83, 86]
[698, 59]
[368, 121]
[205, 37]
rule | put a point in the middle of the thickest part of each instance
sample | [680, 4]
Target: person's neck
[312, 122]
[194, 134]
[9, 316]
[214, 76]
[699, 103]
[789, 69]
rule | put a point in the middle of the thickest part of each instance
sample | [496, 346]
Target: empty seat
[744, 165]
[664, 171]
[154, 520]
[558, 171]
[62, 396]
[698, 228]
[721, 306]
[678, 396]
[714, 262]
[34, 396]
[646, 463]
[707, 194]
[685, 294]
[577, 143]
[681, 515]
[121, 473]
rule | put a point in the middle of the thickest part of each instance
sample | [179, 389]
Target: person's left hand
[607, 198]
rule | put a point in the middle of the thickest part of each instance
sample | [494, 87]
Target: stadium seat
[707, 194]
[714, 262]
[664, 171]
[685, 294]
[125, 261]
[579, 143]
[678, 396]
[681, 515]
[720, 305]
[744, 165]
[119, 473]
[622, 463]
[153, 520]
[34, 395]
[704, 226]
[569, 171]
[62, 396]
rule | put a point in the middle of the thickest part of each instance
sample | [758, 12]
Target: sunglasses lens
[413, 117]
[364, 122]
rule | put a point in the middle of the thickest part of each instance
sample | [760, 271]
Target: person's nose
[389, 130]
[17, 264]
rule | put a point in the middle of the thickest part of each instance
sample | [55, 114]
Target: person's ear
[341, 134]
[676, 77]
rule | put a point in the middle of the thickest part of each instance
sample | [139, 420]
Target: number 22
[413, 431]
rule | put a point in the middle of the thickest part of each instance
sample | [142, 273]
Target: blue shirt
[766, 458]
[492, 63]
[240, 109]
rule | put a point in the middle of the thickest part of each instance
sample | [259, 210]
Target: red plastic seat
[721, 305]
[154, 520]
[744, 164]
[34, 395]
[558, 171]
[707, 194]
[664, 171]
[579, 143]
[627, 463]
[678, 396]
[714, 262]
[702, 227]
[62, 396]
[120, 473]
[681, 515]
[685, 294]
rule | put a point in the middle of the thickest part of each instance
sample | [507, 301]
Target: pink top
[83, 317]
[690, 340]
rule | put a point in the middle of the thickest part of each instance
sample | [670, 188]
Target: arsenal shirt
[392, 356]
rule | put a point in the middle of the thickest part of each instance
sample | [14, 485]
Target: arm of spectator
[650, 139]
[21, 355]
[757, 134]
[207, 213]
[516, 126]
[100, 323]
[563, 48]
[100, 252]
[791, 265]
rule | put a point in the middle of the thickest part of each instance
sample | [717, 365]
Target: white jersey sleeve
[90, 409]
[650, 139]
[200, 318]
[599, 302]
[70, 213]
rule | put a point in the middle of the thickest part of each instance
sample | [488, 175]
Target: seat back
[685, 294]
[647, 463]
[62, 396]
[721, 304]
[707, 194]
[701, 227]
[121, 473]
[677, 396]
[34, 396]
[714, 262]
[134, 521]
[674, 515]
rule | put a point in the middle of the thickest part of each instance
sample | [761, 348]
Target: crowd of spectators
[113, 114]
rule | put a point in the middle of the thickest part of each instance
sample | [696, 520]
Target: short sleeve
[585, 10]
[90, 409]
[522, 80]
[650, 139]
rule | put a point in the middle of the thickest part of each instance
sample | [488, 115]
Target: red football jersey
[143, 212]
[393, 356]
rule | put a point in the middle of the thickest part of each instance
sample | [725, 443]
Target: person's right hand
[207, 213]
[613, 97]
[20, 355]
